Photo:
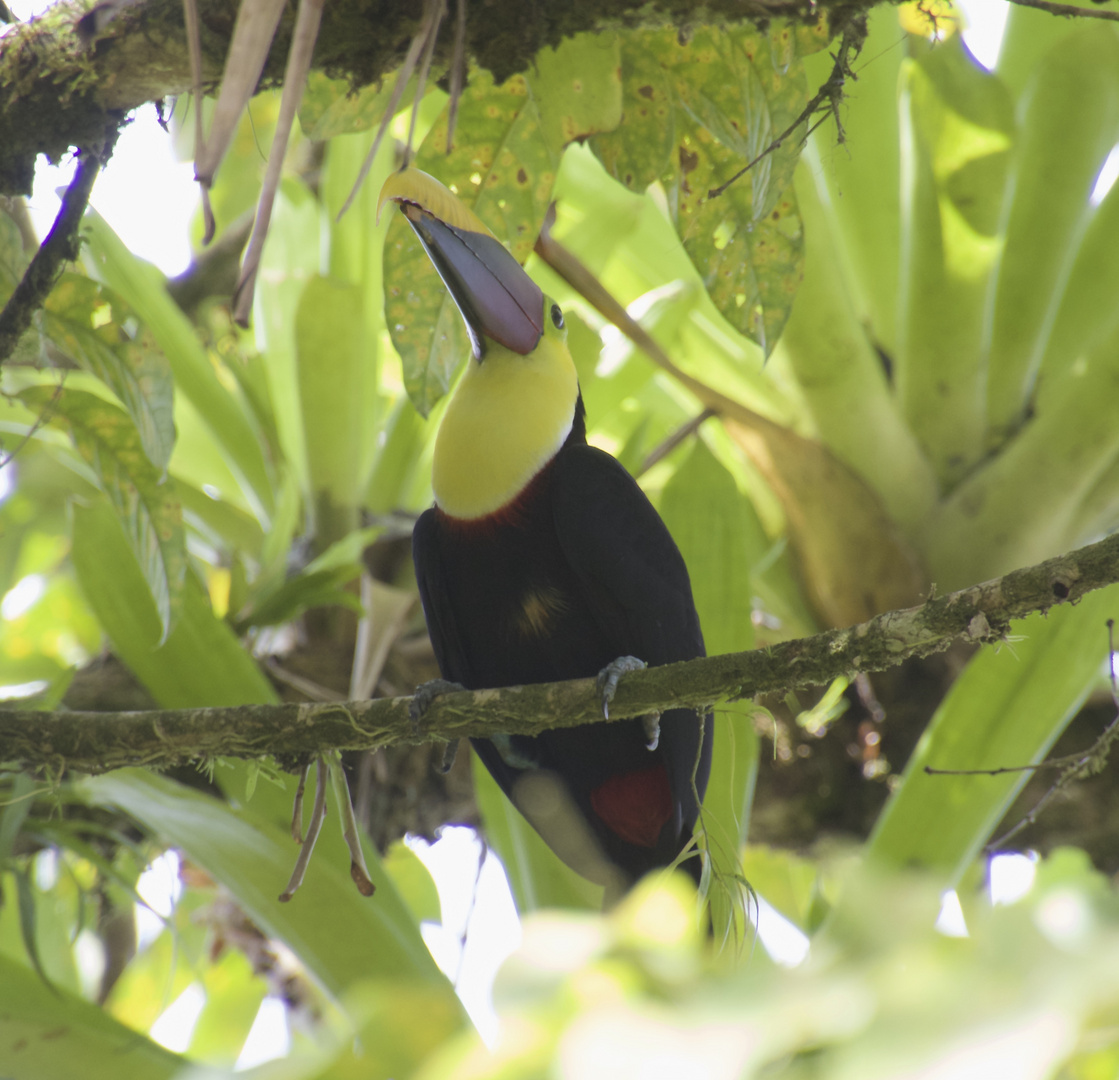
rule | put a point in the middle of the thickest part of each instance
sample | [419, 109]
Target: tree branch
[1068, 10]
[61, 245]
[66, 75]
[99, 742]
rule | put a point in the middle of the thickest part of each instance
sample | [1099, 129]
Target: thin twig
[440, 11]
[458, 73]
[40, 420]
[1080, 766]
[402, 76]
[831, 91]
[295, 79]
[684, 431]
[61, 245]
[194, 47]
[359, 872]
[314, 827]
[1068, 10]
[297, 805]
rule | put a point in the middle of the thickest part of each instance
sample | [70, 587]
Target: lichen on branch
[99, 742]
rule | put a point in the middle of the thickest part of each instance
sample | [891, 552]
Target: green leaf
[537, 877]
[45, 1033]
[145, 501]
[26, 899]
[698, 108]
[1006, 709]
[341, 936]
[309, 589]
[840, 373]
[199, 663]
[1069, 123]
[1021, 506]
[142, 287]
[87, 322]
[787, 881]
[332, 363]
[957, 129]
[509, 139]
[331, 107]
[234, 992]
[860, 174]
[721, 540]
[413, 881]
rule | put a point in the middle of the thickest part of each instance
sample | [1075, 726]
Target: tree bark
[99, 742]
[73, 73]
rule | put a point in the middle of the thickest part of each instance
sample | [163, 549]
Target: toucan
[543, 560]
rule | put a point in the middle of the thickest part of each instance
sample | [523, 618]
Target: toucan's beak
[496, 297]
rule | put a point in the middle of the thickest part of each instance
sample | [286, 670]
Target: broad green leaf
[53, 1033]
[1069, 121]
[292, 256]
[199, 663]
[1020, 507]
[957, 130]
[234, 992]
[396, 460]
[309, 589]
[509, 140]
[1087, 314]
[87, 322]
[861, 173]
[536, 875]
[145, 501]
[703, 105]
[339, 935]
[413, 881]
[841, 374]
[787, 881]
[1006, 710]
[721, 540]
[333, 366]
[222, 523]
[142, 287]
[331, 107]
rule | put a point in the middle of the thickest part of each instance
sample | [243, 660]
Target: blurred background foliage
[916, 326]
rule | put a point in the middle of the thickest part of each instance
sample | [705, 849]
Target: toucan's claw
[426, 693]
[608, 679]
[450, 752]
[651, 722]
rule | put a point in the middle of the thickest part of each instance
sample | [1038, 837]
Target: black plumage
[576, 571]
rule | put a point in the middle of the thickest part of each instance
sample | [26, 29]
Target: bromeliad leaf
[698, 109]
[331, 107]
[144, 500]
[509, 139]
[89, 322]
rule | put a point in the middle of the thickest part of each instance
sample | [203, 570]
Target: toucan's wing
[442, 626]
[631, 572]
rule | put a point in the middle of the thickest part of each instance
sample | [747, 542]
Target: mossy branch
[67, 75]
[99, 742]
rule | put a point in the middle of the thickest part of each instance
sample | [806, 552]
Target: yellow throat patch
[508, 418]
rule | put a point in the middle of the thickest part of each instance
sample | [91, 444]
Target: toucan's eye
[557, 317]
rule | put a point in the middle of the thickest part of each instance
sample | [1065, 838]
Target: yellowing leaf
[145, 500]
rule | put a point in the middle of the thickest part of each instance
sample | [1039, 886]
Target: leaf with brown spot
[142, 496]
[697, 109]
[508, 144]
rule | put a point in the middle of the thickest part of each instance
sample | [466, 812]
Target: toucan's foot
[450, 752]
[608, 679]
[426, 694]
[651, 722]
